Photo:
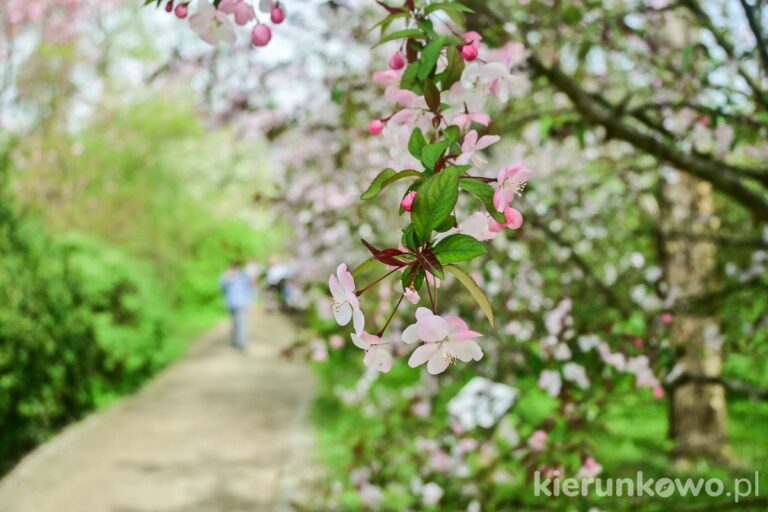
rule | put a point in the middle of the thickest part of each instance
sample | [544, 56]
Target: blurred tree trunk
[697, 421]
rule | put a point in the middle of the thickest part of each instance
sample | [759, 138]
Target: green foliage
[79, 322]
[434, 202]
[104, 285]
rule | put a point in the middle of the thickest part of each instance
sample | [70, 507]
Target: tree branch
[733, 386]
[754, 23]
[759, 94]
[695, 165]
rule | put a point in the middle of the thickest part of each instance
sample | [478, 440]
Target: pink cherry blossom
[510, 55]
[513, 220]
[390, 79]
[477, 226]
[471, 144]
[590, 469]
[414, 104]
[376, 126]
[511, 182]
[407, 202]
[550, 381]
[412, 295]
[377, 355]
[667, 318]
[242, 10]
[472, 38]
[211, 24]
[397, 61]
[444, 340]
[261, 35]
[345, 304]
[576, 373]
[465, 119]
[538, 440]
[491, 78]
[336, 341]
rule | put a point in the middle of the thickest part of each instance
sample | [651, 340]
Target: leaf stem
[391, 316]
[360, 292]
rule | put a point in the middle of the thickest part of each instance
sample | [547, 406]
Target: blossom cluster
[439, 85]
[215, 22]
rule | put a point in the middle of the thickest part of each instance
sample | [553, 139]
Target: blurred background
[136, 162]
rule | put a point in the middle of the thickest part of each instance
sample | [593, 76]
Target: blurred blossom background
[136, 162]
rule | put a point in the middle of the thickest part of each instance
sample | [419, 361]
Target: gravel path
[219, 431]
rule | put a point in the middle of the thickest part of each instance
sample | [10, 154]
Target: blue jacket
[238, 292]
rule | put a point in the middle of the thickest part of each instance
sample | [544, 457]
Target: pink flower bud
[244, 13]
[407, 202]
[181, 11]
[376, 126]
[277, 15]
[469, 52]
[658, 392]
[261, 35]
[397, 61]
[169, 6]
[666, 318]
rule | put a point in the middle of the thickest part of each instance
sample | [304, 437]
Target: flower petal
[433, 328]
[336, 290]
[379, 359]
[437, 363]
[345, 278]
[410, 335]
[422, 354]
[467, 351]
[358, 319]
[343, 314]
[360, 342]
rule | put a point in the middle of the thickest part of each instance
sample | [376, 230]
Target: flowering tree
[694, 101]
[440, 99]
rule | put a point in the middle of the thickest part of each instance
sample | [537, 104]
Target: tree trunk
[697, 421]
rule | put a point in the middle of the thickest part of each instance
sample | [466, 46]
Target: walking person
[238, 295]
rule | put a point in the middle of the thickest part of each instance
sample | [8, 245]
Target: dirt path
[219, 431]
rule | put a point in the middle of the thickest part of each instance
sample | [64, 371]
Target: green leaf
[434, 202]
[364, 266]
[431, 153]
[416, 142]
[386, 178]
[452, 133]
[449, 223]
[431, 95]
[474, 290]
[377, 184]
[429, 57]
[384, 23]
[400, 34]
[453, 70]
[409, 77]
[448, 6]
[458, 247]
[484, 192]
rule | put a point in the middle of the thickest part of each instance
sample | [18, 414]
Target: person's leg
[240, 339]
[233, 313]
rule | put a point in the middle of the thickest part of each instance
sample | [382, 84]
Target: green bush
[80, 322]
[48, 341]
